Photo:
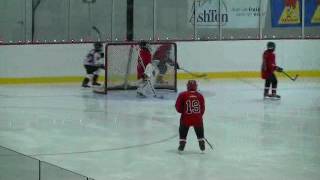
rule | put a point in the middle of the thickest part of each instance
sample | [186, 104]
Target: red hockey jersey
[162, 53]
[145, 56]
[191, 105]
[268, 64]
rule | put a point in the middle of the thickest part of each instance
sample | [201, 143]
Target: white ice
[120, 137]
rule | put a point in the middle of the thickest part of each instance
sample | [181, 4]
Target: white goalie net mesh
[122, 60]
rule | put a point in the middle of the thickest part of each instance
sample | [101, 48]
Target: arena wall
[46, 63]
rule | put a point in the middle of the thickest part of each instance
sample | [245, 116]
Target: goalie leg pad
[142, 88]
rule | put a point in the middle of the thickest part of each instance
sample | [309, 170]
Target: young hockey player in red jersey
[191, 105]
[267, 71]
[163, 55]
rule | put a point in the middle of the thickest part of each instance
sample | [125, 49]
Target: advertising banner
[312, 13]
[233, 13]
[288, 13]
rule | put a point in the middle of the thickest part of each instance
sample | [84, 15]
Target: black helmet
[97, 45]
[143, 44]
[271, 45]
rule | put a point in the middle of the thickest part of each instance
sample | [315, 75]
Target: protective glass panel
[93, 14]
[172, 20]
[52, 172]
[51, 21]
[283, 19]
[12, 20]
[15, 166]
[240, 19]
[119, 20]
[312, 19]
[143, 19]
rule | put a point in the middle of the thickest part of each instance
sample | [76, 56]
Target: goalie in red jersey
[144, 59]
[191, 105]
[143, 72]
[267, 71]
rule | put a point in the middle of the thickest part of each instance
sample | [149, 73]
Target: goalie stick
[193, 74]
[148, 80]
[293, 79]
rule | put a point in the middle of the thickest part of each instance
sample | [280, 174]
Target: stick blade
[202, 75]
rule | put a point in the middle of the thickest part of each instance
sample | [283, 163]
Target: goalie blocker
[121, 60]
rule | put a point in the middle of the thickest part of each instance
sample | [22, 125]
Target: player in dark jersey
[191, 105]
[267, 71]
[92, 65]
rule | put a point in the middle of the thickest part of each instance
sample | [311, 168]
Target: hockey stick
[153, 90]
[293, 79]
[208, 143]
[193, 74]
[97, 31]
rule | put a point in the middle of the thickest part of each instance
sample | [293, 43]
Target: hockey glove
[279, 69]
[177, 66]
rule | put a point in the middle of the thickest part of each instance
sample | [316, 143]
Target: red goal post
[121, 61]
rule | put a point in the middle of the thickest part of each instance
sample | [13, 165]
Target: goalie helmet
[192, 85]
[271, 45]
[143, 44]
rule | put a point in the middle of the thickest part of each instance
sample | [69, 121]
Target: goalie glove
[279, 69]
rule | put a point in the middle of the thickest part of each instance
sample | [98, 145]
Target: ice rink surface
[121, 137]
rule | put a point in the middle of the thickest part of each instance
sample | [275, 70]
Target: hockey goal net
[121, 62]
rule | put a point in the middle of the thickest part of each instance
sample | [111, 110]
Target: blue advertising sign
[288, 13]
[312, 13]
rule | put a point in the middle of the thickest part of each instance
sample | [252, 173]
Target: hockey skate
[95, 81]
[96, 84]
[275, 97]
[182, 144]
[85, 83]
[141, 95]
[267, 96]
[202, 145]
[86, 86]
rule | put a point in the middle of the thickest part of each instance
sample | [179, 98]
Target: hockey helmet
[271, 45]
[192, 85]
[97, 45]
[143, 44]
